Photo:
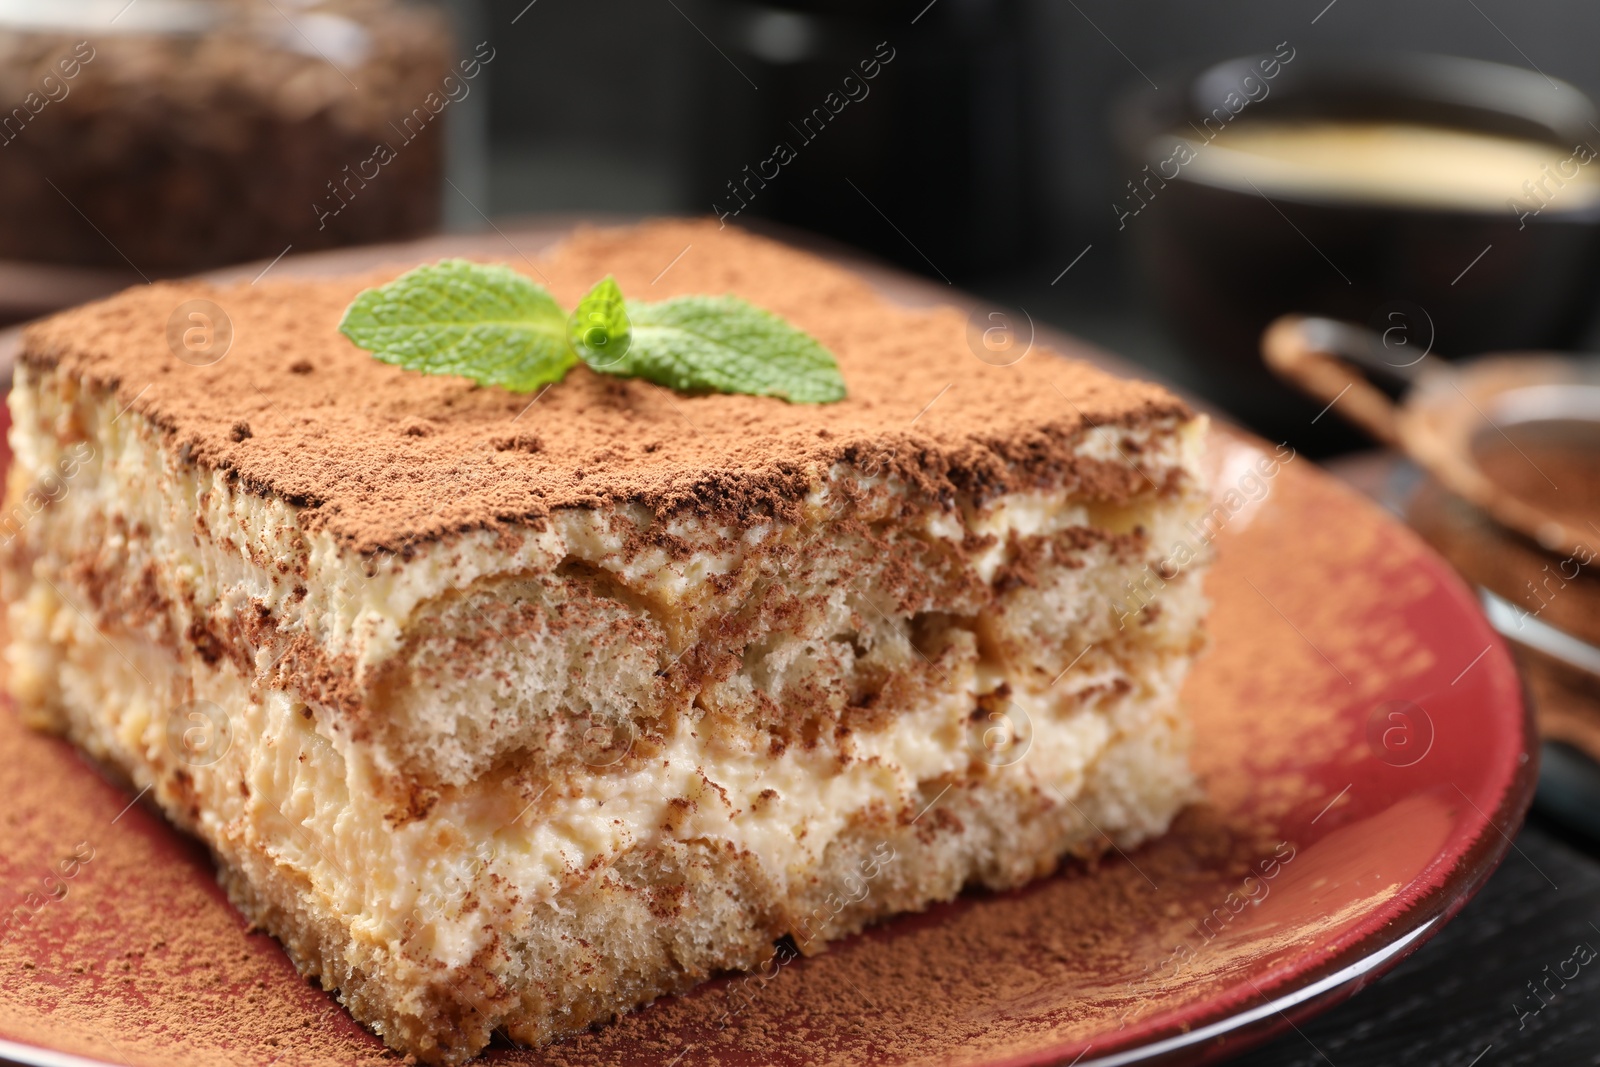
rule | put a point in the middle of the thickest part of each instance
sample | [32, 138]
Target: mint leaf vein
[480, 321]
[724, 344]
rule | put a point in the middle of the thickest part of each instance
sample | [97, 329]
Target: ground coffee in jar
[177, 135]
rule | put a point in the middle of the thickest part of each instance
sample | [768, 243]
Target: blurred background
[1006, 146]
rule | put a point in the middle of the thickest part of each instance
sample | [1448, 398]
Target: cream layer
[438, 889]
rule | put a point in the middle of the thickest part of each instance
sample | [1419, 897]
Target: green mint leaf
[726, 345]
[494, 326]
[479, 321]
[599, 329]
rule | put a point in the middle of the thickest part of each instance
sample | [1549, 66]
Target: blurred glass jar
[177, 135]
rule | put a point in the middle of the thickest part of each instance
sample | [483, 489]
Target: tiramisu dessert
[509, 707]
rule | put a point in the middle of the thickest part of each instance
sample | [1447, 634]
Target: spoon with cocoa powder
[1516, 439]
[1515, 435]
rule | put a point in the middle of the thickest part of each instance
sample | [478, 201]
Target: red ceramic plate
[1359, 730]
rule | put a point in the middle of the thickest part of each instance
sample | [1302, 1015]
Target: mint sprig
[476, 320]
[494, 326]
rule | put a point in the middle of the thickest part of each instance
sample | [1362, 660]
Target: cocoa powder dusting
[388, 456]
[142, 960]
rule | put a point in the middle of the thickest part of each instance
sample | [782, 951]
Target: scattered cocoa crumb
[518, 442]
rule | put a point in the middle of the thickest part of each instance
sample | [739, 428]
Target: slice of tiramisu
[511, 711]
